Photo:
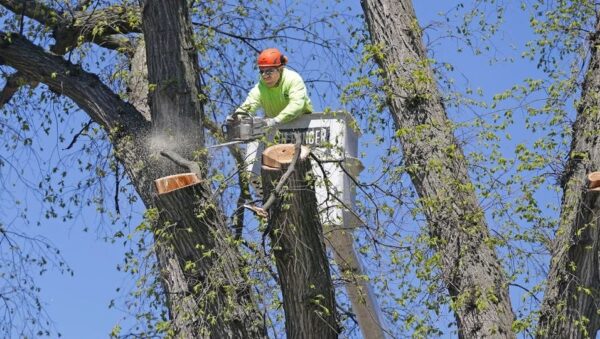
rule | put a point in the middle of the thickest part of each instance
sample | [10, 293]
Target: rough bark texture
[173, 75]
[69, 26]
[571, 307]
[137, 81]
[212, 297]
[206, 288]
[208, 294]
[297, 242]
[438, 170]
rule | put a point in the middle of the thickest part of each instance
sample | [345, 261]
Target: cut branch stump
[173, 182]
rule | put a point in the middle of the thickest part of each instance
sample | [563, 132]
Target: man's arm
[252, 102]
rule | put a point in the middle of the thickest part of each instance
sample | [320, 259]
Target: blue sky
[78, 304]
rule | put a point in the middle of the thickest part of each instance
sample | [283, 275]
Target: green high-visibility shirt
[284, 102]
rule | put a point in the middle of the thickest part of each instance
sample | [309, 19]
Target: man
[280, 93]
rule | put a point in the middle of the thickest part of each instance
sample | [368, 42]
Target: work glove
[271, 122]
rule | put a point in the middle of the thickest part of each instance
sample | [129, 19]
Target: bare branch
[244, 39]
[117, 185]
[76, 136]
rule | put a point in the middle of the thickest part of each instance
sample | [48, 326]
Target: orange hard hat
[271, 57]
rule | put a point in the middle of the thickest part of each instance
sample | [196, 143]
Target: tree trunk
[208, 295]
[571, 307]
[297, 241]
[173, 76]
[438, 170]
[208, 292]
[227, 310]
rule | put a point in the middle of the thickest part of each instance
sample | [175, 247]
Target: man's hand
[271, 122]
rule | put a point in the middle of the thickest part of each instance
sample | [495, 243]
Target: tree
[186, 244]
[572, 298]
[437, 167]
[206, 284]
[297, 239]
[431, 243]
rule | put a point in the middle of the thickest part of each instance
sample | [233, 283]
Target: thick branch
[100, 102]
[68, 30]
[33, 9]
[572, 297]
[216, 281]
[110, 20]
[174, 103]
[114, 19]
[82, 26]
[438, 170]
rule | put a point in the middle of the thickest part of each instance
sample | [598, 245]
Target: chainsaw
[242, 128]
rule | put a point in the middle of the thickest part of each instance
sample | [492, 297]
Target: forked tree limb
[279, 187]
[264, 210]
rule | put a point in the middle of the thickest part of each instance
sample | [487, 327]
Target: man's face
[270, 75]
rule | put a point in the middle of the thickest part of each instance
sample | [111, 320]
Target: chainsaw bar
[227, 143]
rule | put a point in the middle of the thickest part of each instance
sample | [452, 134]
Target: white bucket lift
[333, 139]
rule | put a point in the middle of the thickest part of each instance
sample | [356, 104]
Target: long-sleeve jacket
[284, 102]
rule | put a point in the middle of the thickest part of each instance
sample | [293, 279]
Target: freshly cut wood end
[175, 182]
[594, 179]
[594, 176]
[278, 155]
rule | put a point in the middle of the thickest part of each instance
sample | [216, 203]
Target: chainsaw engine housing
[244, 128]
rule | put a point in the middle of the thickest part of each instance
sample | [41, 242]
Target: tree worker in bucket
[280, 93]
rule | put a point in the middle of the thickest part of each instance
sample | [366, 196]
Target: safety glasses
[267, 72]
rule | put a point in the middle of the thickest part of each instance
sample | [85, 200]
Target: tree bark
[137, 80]
[438, 170]
[173, 76]
[571, 306]
[212, 298]
[207, 296]
[297, 241]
